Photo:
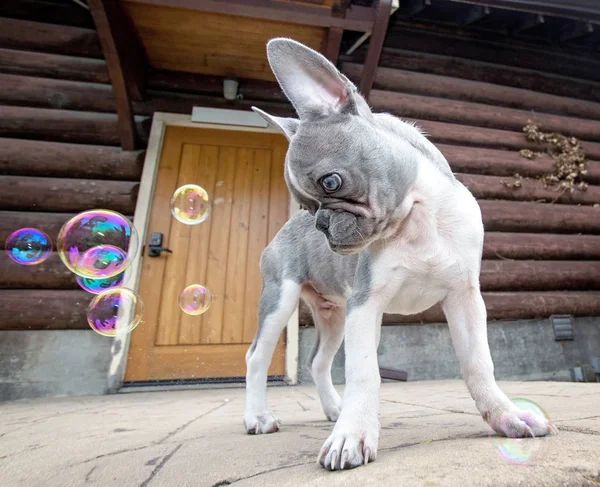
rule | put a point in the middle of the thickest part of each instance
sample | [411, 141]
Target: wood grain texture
[459, 67]
[40, 36]
[50, 223]
[479, 114]
[495, 187]
[21, 193]
[20, 157]
[50, 274]
[209, 43]
[53, 93]
[59, 125]
[55, 66]
[399, 80]
[44, 309]
[540, 246]
[512, 216]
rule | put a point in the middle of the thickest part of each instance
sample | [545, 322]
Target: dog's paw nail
[367, 453]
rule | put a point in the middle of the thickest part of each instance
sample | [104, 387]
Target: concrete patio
[431, 436]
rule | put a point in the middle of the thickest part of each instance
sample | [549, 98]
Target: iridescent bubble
[190, 204]
[96, 286]
[195, 299]
[28, 246]
[97, 244]
[520, 451]
[115, 312]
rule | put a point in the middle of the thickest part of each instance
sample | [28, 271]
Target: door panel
[243, 175]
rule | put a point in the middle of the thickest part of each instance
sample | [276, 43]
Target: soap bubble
[97, 244]
[195, 299]
[28, 246]
[190, 204]
[115, 312]
[519, 451]
[96, 286]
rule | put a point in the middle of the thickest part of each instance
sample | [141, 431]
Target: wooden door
[243, 175]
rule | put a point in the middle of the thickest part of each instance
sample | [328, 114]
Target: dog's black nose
[322, 222]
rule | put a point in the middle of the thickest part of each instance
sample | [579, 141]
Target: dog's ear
[313, 85]
[287, 125]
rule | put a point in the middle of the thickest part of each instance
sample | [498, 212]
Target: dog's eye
[331, 183]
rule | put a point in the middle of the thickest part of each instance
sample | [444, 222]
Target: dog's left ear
[287, 125]
[313, 85]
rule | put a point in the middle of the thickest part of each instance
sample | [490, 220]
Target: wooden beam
[384, 9]
[518, 216]
[495, 188]
[53, 66]
[22, 193]
[476, 91]
[59, 125]
[540, 246]
[21, 157]
[529, 21]
[451, 66]
[575, 30]
[53, 310]
[479, 114]
[476, 160]
[475, 14]
[357, 18]
[50, 274]
[107, 14]
[331, 43]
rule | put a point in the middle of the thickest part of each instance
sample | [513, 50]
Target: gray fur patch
[362, 283]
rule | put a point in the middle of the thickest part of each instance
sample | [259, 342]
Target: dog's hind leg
[278, 299]
[329, 326]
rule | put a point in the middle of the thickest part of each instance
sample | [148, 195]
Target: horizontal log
[528, 79]
[39, 36]
[20, 157]
[505, 306]
[495, 188]
[475, 160]
[53, 66]
[43, 309]
[518, 216]
[452, 133]
[540, 246]
[59, 125]
[478, 114]
[21, 193]
[475, 91]
[65, 13]
[159, 101]
[55, 93]
[532, 275]
[50, 274]
[50, 223]
[555, 60]
[195, 83]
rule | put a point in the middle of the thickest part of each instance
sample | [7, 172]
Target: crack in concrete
[185, 425]
[303, 407]
[431, 407]
[88, 475]
[583, 431]
[576, 419]
[159, 467]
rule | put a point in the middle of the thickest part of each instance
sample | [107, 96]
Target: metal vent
[563, 327]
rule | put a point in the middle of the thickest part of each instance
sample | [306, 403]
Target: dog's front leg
[466, 315]
[355, 436]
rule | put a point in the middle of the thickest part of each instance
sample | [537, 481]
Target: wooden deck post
[380, 25]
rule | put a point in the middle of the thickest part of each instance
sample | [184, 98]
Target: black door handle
[155, 245]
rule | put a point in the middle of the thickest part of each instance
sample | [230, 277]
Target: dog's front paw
[261, 423]
[518, 423]
[349, 445]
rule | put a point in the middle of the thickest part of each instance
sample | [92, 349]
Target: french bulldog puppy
[386, 227]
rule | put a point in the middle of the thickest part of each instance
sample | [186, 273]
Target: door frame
[160, 122]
